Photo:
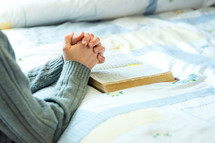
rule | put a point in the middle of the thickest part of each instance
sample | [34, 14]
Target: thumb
[68, 39]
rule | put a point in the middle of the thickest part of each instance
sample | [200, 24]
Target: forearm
[30, 120]
[70, 89]
[45, 75]
[24, 118]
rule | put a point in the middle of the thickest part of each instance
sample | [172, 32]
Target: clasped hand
[84, 48]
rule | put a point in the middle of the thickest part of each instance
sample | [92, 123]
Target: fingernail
[100, 58]
[79, 34]
[84, 42]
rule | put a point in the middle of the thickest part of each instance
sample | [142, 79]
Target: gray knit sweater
[26, 119]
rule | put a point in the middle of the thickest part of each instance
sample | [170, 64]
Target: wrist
[76, 70]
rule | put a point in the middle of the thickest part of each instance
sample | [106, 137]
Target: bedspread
[182, 41]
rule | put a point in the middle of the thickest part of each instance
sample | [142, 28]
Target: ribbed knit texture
[26, 119]
[50, 72]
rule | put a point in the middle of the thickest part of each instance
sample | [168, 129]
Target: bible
[121, 71]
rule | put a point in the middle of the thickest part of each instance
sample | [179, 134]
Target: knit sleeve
[45, 75]
[25, 118]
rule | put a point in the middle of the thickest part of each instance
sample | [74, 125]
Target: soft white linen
[25, 13]
[183, 111]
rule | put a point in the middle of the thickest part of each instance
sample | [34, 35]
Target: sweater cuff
[75, 71]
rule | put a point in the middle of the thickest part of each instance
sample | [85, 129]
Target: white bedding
[25, 13]
[182, 41]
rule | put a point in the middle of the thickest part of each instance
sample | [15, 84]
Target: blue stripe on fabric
[175, 52]
[95, 13]
[98, 28]
[140, 52]
[24, 11]
[84, 122]
[190, 58]
[151, 7]
[196, 20]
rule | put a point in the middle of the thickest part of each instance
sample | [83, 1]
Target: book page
[116, 61]
[124, 73]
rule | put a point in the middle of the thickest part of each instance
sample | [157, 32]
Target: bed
[172, 34]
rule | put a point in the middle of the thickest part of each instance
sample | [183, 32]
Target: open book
[121, 71]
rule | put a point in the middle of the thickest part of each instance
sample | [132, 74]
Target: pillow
[157, 6]
[25, 13]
